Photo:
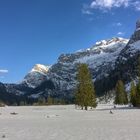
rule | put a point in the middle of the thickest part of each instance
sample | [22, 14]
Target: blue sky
[38, 31]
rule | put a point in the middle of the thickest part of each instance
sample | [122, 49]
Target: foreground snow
[66, 123]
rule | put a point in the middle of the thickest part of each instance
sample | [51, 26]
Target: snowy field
[66, 123]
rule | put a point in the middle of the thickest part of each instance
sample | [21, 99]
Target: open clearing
[66, 123]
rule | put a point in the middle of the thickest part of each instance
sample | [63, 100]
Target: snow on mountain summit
[106, 44]
[105, 51]
[36, 76]
[40, 68]
[109, 43]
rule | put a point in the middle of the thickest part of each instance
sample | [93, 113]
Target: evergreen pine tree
[138, 94]
[22, 103]
[41, 101]
[121, 95]
[49, 100]
[85, 93]
[138, 85]
[133, 94]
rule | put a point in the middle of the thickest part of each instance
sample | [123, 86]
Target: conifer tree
[138, 94]
[121, 95]
[85, 93]
[79, 97]
[138, 85]
[133, 91]
[41, 101]
[49, 100]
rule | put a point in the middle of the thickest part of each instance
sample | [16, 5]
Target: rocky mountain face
[100, 58]
[7, 97]
[128, 59]
[126, 65]
[108, 61]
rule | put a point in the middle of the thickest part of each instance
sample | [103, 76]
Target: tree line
[85, 95]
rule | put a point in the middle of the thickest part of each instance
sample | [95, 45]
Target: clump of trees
[42, 101]
[85, 93]
[2, 104]
[121, 94]
[135, 94]
[135, 89]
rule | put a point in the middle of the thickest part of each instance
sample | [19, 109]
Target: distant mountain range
[108, 61]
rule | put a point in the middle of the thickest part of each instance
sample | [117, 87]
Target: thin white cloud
[86, 9]
[3, 71]
[120, 33]
[87, 12]
[117, 24]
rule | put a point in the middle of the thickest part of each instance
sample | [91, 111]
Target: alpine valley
[108, 61]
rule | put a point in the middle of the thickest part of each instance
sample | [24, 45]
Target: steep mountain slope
[129, 56]
[100, 58]
[126, 65]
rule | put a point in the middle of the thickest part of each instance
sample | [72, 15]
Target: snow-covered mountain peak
[109, 43]
[103, 52]
[40, 68]
[36, 76]
[106, 44]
